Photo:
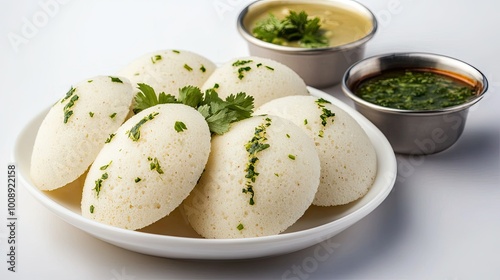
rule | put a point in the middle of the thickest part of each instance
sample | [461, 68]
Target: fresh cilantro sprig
[148, 98]
[218, 113]
[294, 27]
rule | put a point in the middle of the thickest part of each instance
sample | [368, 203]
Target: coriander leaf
[166, 98]
[190, 95]
[218, 122]
[241, 104]
[148, 98]
[204, 110]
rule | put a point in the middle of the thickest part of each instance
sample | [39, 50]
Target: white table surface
[442, 220]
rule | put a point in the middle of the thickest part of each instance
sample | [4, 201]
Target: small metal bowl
[318, 67]
[416, 132]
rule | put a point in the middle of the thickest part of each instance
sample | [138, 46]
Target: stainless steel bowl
[319, 67]
[410, 131]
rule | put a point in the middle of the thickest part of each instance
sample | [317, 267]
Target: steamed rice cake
[168, 70]
[260, 178]
[75, 129]
[262, 78]
[348, 158]
[148, 168]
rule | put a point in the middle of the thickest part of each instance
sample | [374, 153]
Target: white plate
[172, 236]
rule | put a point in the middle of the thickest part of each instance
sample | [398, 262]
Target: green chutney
[416, 89]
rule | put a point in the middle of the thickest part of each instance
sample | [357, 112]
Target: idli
[348, 158]
[148, 168]
[169, 70]
[75, 129]
[260, 178]
[262, 78]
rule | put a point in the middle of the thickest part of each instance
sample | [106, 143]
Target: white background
[442, 221]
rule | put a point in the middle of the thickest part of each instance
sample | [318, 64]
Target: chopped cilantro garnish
[137, 180]
[180, 126]
[135, 133]
[91, 209]
[187, 67]
[325, 114]
[98, 183]
[109, 138]
[240, 227]
[241, 70]
[91, 114]
[104, 167]
[292, 157]
[156, 58]
[90, 81]
[68, 94]
[241, 62]
[254, 146]
[270, 68]
[155, 165]
[203, 69]
[176, 51]
[116, 80]
[112, 115]
[67, 112]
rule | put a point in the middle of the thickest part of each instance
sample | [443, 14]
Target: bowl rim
[247, 35]
[412, 56]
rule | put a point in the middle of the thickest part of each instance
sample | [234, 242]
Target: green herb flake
[287, 135]
[254, 146]
[135, 133]
[180, 126]
[270, 68]
[104, 167]
[187, 67]
[98, 183]
[292, 157]
[91, 114]
[156, 58]
[305, 121]
[112, 115]
[241, 71]
[325, 113]
[155, 165]
[68, 94]
[90, 81]
[91, 209]
[67, 114]
[203, 69]
[259, 65]
[176, 51]
[109, 138]
[137, 180]
[240, 227]
[216, 85]
[116, 80]
[241, 62]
